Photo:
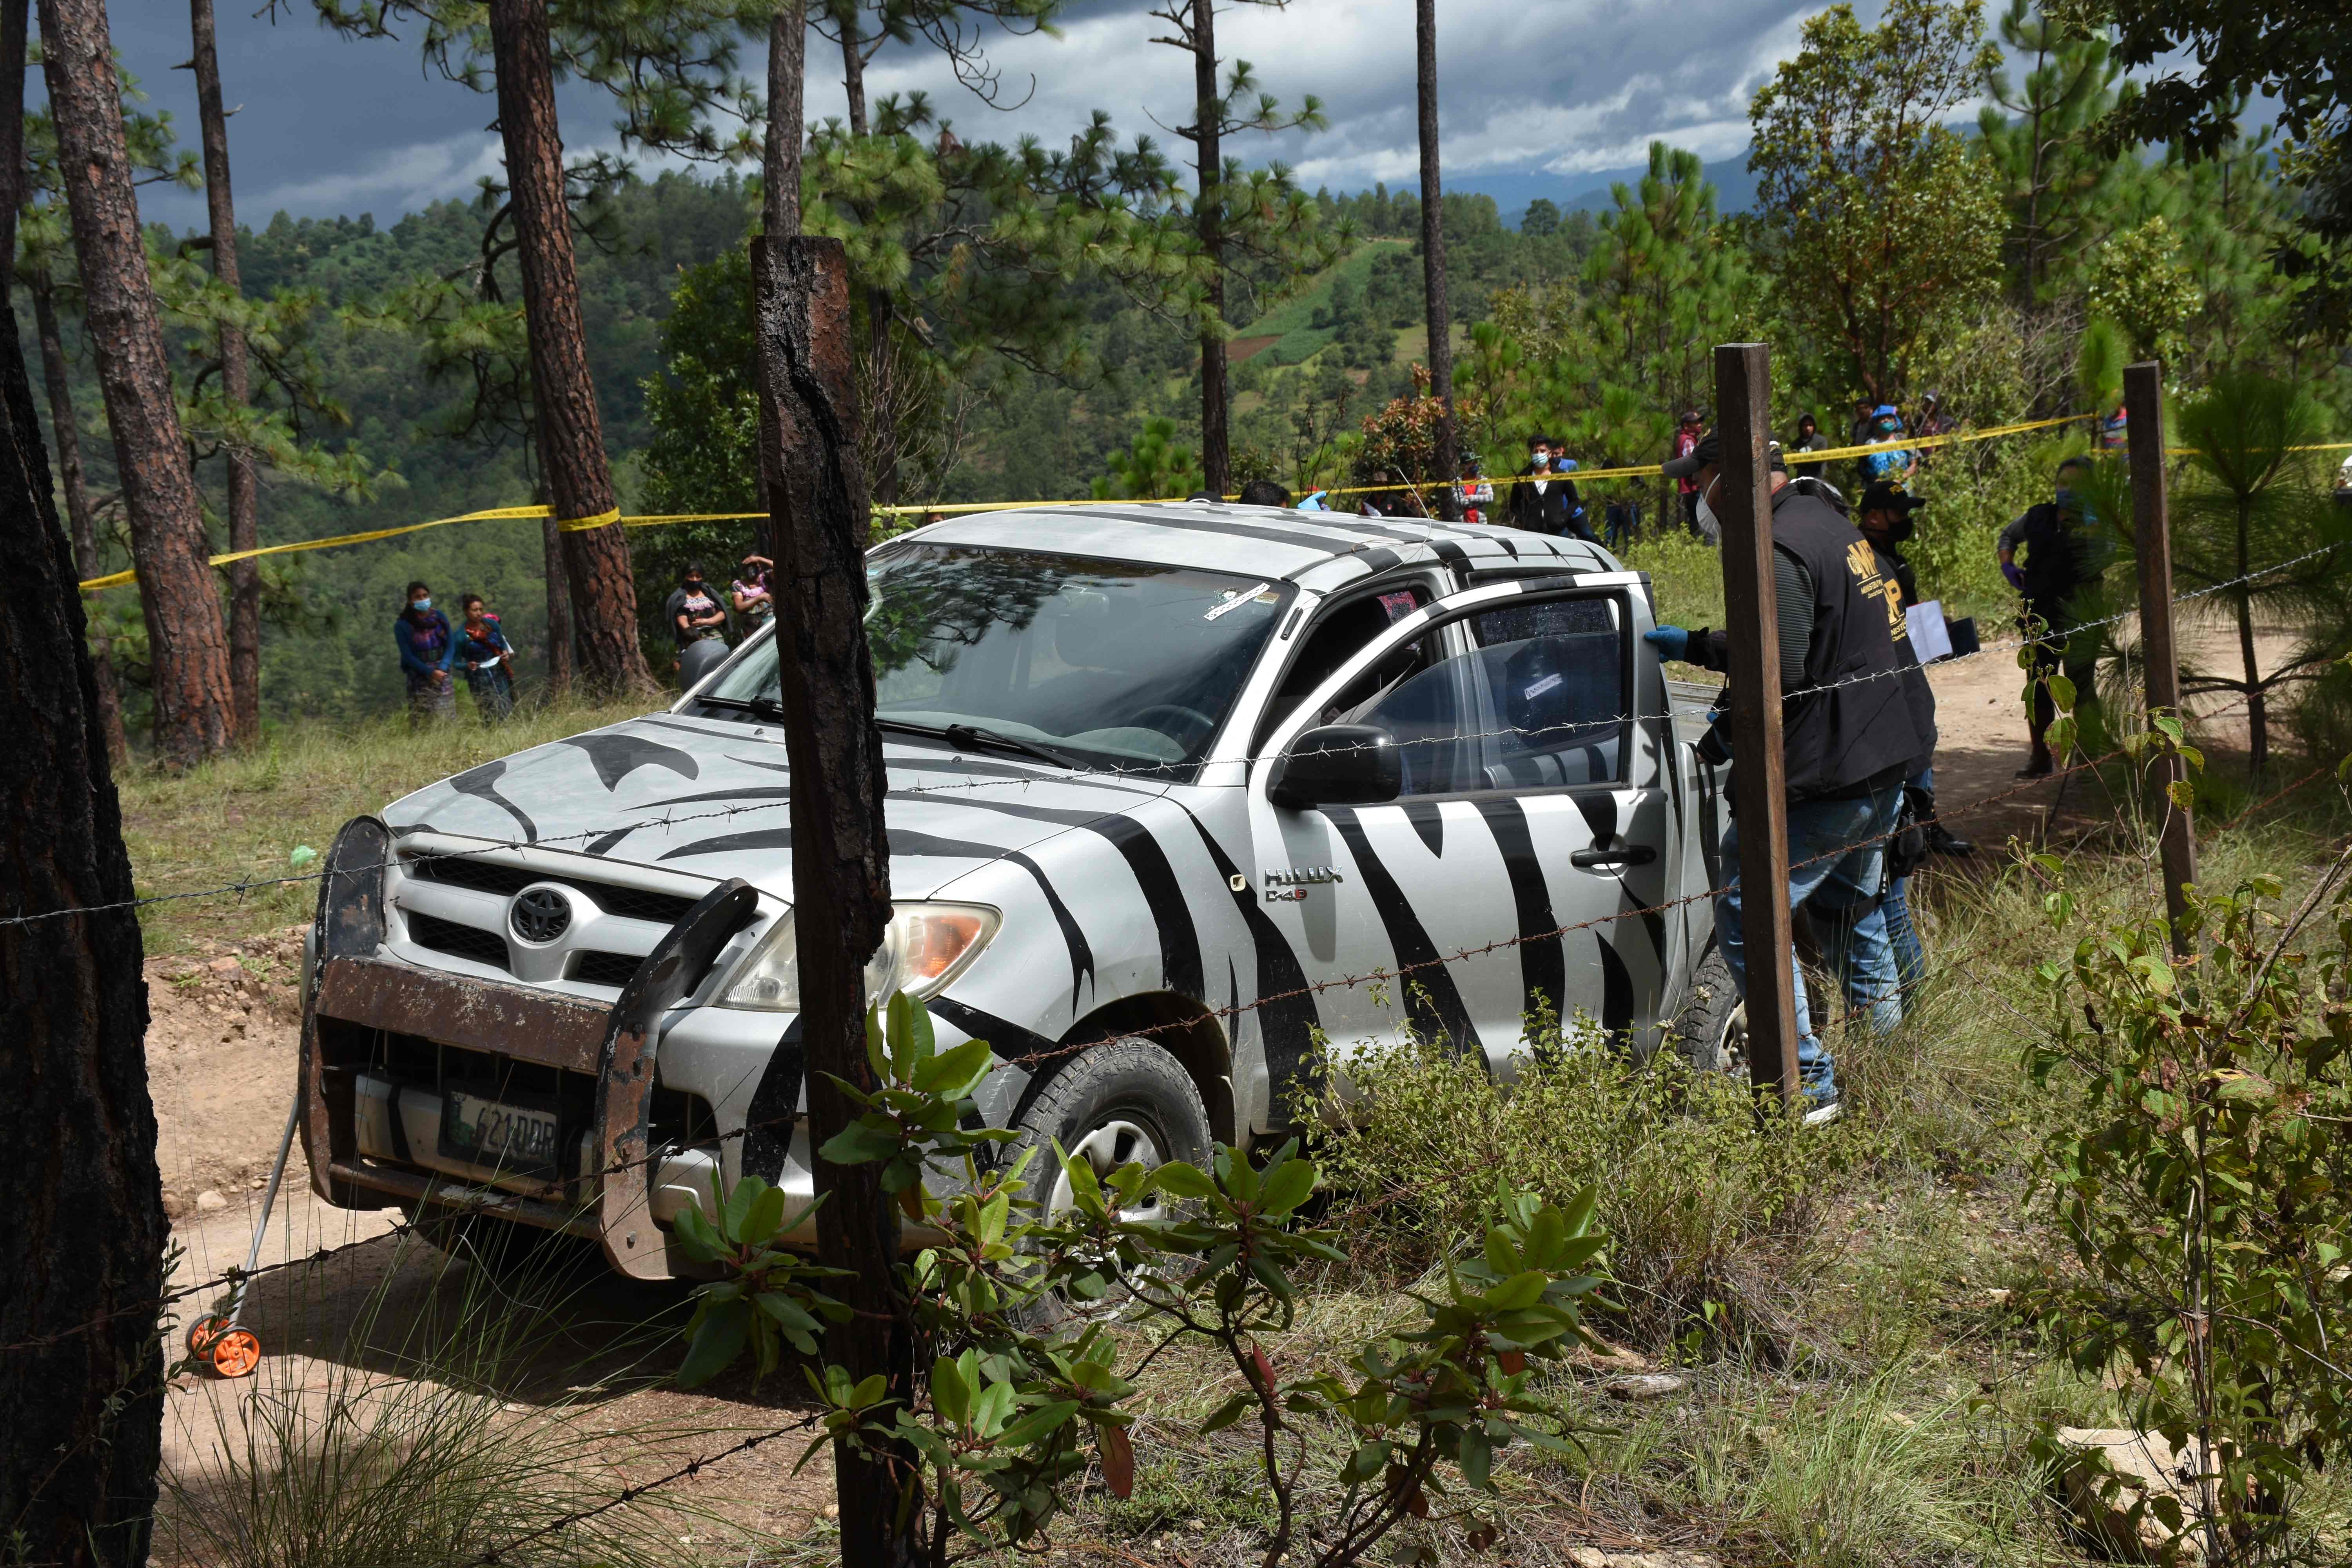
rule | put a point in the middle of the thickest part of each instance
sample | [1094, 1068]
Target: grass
[242, 816]
[1858, 1390]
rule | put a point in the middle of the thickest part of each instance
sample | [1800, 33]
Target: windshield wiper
[973, 735]
[761, 707]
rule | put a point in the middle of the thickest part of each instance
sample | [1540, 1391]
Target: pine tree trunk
[12, 136]
[1216, 442]
[881, 385]
[81, 1404]
[187, 654]
[67, 437]
[1433, 255]
[841, 861]
[780, 206]
[570, 427]
[237, 386]
[558, 614]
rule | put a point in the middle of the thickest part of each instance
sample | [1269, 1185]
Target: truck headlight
[926, 946]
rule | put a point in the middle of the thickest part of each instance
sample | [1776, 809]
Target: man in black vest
[1857, 720]
[2061, 560]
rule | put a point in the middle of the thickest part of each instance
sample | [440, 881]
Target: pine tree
[1236, 218]
[2041, 131]
[1881, 226]
[187, 654]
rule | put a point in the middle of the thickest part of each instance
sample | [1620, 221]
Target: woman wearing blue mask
[422, 634]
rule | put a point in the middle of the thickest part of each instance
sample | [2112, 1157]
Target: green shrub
[1714, 1214]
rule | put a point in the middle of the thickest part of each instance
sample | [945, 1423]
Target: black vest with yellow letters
[1842, 732]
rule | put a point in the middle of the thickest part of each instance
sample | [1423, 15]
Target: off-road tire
[1128, 1083]
[1710, 1033]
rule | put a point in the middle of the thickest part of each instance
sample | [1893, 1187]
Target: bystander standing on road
[1534, 499]
[1474, 494]
[1686, 439]
[1809, 440]
[1573, 523]
[426, 648]
[2061, 560]
[750, 594]
[1854, 727]
[488, 659]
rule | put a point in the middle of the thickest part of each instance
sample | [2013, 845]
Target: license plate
[516, 1139]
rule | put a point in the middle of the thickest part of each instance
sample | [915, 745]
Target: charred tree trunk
[67, 437]
[237, 386]
[1209, 218]
[12, 15]
[780, 206]
[1433, 255]
[571, 426]
[841, 862]
[81, 1407]
[187, 654]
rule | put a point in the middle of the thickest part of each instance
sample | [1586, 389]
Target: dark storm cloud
[1565, 87]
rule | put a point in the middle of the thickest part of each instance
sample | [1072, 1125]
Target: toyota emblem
[539, 914]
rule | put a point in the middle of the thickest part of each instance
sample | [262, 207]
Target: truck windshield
[1114, 664]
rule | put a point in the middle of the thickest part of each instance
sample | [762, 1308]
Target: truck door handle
[1624, 855]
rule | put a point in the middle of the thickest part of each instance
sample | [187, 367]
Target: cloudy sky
[1564, 90]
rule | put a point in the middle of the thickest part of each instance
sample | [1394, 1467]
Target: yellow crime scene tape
[608, 518]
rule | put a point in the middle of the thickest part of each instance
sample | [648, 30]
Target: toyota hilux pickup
[1180, 797]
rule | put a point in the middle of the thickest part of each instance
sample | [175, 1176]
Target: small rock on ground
[1648, 1385]
[210, 1202]
[2110, 1470]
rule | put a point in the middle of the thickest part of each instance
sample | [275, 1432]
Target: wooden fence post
[1743, 400]
[2152, 545]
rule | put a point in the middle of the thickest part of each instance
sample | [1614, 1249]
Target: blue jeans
[1859, 952]
[1910, 958]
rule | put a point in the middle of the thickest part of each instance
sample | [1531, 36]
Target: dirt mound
[222, 1040]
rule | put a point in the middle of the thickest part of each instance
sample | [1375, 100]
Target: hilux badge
[1288, 884]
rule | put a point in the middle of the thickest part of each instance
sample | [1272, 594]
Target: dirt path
[387, 1319]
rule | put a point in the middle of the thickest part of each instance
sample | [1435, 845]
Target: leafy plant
[2198, 1188]
[1013, 1412]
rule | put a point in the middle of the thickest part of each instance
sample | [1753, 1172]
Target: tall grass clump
[1716, 1213]
[424, 1441]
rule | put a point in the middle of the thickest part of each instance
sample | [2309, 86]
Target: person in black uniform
[1846, 752]
[1538, 504]
[2061, 561]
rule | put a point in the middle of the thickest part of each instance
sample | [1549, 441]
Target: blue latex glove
[1671, 642]
[2016, 576]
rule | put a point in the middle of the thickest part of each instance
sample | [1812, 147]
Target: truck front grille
[488, 877]
[458, 941]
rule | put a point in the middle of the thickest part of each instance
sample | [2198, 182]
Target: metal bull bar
[352, 982]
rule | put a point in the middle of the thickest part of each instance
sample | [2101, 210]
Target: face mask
[1538, 460]
[695, 586]
[1895, 529]
[2067, 500]
[421, 606]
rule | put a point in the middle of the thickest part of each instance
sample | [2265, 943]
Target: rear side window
[1555, 674]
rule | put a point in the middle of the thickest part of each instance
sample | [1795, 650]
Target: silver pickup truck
[1176, 794]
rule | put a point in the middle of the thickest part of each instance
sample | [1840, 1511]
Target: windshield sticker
[1399, 604]
[1235, 601]
[1540, 686]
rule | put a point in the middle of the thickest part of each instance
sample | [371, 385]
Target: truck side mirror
[1338, 765]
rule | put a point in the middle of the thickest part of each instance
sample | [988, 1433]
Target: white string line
[1088, 775]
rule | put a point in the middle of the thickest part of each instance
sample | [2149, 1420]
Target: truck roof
[1319, 550]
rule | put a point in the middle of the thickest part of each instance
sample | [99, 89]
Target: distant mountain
[1735, 187]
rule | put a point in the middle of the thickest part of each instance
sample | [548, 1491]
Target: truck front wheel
[1123, 1100]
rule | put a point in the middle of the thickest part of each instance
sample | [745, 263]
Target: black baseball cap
[1888, 495]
